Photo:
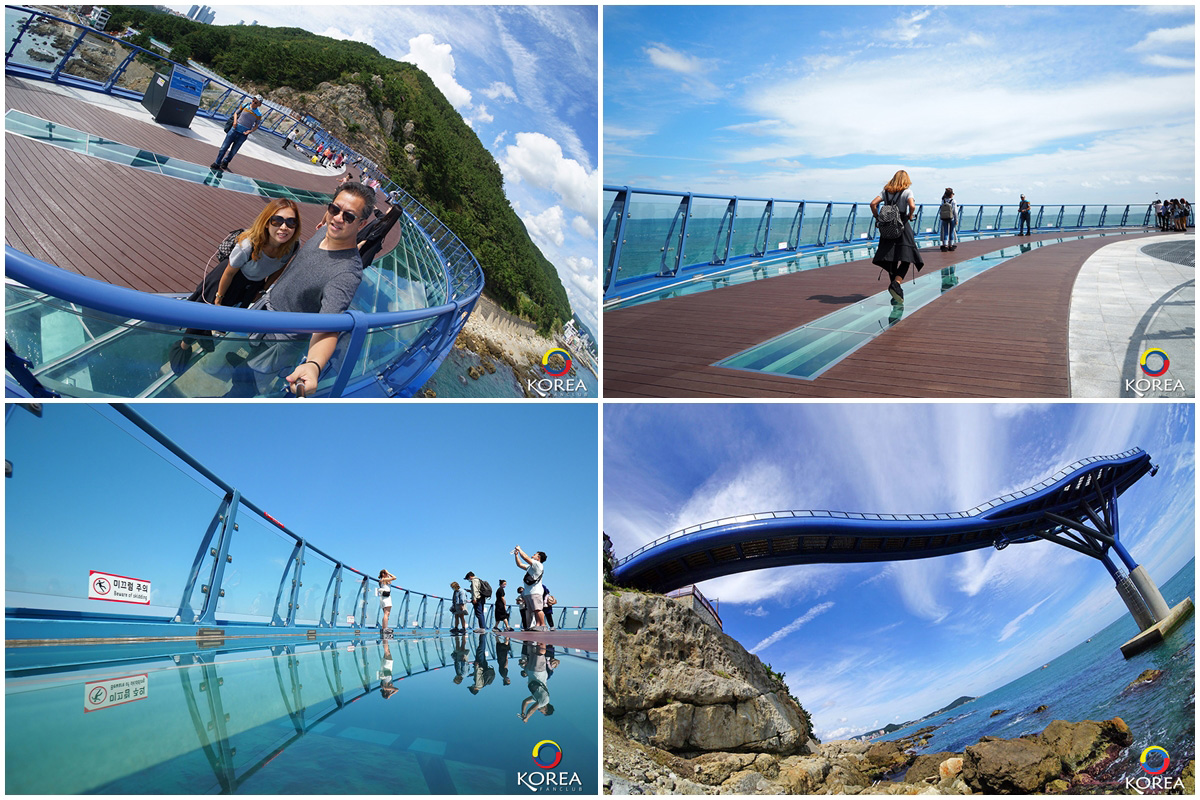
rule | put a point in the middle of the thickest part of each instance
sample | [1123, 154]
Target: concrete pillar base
[1149, 591]
[1156, 633]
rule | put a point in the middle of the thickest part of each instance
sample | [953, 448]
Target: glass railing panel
[785, 226]
[612, 223]
[94, 59]
[44, 44]
[1091, 216]
[750, 228]
[814, 215]
[1070, 217]
[383, 346]
[837, 223]
[316, 589]
[1008, 218]
[653, 235]
[71, 472]
[863, 223]
[260, 555]
[140, 70]
[707, 231]
[212, 96]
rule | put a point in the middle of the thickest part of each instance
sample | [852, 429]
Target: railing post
[978, 219]
[1058, 222]
[1038, 223]
[297, 582]
[1103, 213]
[225, 521]
[730, 212]
[337, 596]
[823, 231]
[1082, 209]
[848, 230]
[799, 226]
[67, 56]
[770, 214]
[685, 208]
[620, 206]
[119, 71]
[358, 335]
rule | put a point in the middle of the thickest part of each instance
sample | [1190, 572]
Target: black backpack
[888, 219]
[485, 589]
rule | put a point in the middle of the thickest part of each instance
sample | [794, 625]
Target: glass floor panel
[31, 127]
[809, 350]
[424, 714]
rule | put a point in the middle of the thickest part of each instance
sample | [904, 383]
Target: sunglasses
[334, 210]
[277, 220]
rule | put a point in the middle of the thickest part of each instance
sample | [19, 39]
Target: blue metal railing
[223, 559]
[653, 237]
[387, 352]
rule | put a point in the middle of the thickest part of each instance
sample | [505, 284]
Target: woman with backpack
[256, 258]
[892, 209]
[948, 214]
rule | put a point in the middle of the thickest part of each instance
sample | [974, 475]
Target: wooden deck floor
[1001, 334]
[122, 225]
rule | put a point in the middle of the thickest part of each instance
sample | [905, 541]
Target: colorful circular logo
[1166, 760]
[1152, 357]
[566, 362]
[558, 754]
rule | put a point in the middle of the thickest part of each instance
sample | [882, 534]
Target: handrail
[635, 240]
[462, 275]
[979, 509]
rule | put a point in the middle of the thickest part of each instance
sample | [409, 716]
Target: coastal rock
[1189, 779]
[1145, 679]
[951, 768]
[1040, 709]
[714, 769]
[1004, 766]
[803, 774]
[927, 766]
[997, 712]
[886, 758]
[1080, 745]
[39, 55]
[673, 681]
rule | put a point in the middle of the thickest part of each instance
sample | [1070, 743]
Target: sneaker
[225, 165]
[945, 249]
[215, 166]
[953, 247]
[895, 291]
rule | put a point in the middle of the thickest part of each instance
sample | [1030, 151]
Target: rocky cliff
[673, 682]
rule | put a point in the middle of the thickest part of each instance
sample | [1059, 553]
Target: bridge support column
[1138, 608]
[1150, 593]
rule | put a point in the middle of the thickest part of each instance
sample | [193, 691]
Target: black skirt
[241, 291]
[902, 250]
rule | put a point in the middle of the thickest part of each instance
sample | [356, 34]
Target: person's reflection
[213, 178]
[460, 657]
[484, 673]
[949, 278]
[1025, 246]
[503, 648]
[897, 312]
[539, 663]
[386, 689]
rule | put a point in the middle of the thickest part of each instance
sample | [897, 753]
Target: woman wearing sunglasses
[257, 260]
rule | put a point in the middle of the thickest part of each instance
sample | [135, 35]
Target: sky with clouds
[864, 645]
[1067, 104]
[524, 78]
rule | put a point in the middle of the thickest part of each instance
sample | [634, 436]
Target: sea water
[452, 380]
[1090, 682]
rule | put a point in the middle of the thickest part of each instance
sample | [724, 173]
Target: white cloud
[581, 226]
[437, 62]
[539, 160]
[499, 139]
[1184, 35]
[1012, 627]
[663, 56]
[481, 114]
[1169, 62]
[792, 627]
[500, 91]
[546, 227]
[906, 29]
[756, 612]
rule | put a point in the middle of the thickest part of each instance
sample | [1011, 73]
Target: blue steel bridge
[91, 305]
[1075, 508]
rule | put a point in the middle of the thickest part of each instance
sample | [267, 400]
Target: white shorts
[534, 601]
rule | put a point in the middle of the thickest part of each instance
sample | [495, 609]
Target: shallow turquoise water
[1089, 682]
[410, 715]
[451, 379]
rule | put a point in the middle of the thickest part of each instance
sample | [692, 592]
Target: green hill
[455, 176]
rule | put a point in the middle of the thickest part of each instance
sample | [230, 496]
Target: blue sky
[1086, 104]
[428, 492]
[524, 78]
[868, 644]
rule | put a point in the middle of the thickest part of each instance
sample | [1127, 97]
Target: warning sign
[99, 695]
[117, 588]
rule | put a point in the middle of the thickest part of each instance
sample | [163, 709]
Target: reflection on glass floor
[52, 133]
[412, 715]
[809, 350]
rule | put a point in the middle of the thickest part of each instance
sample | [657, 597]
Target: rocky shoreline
[688, 711]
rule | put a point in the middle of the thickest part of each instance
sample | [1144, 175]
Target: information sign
[186, 85]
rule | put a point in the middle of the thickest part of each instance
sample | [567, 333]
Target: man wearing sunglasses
[322, 278]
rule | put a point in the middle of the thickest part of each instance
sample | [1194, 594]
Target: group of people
[534, 601]
[1172, 215]
[268, 267]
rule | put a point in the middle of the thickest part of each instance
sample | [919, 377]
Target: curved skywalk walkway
[125, 226]
[1002, 334]
[1131, 296]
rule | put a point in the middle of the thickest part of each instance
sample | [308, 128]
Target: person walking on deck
[897, 245]
[948, 214]
[246, 120]
[1023, 217]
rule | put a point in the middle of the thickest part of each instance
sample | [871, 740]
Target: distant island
[892, 728]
